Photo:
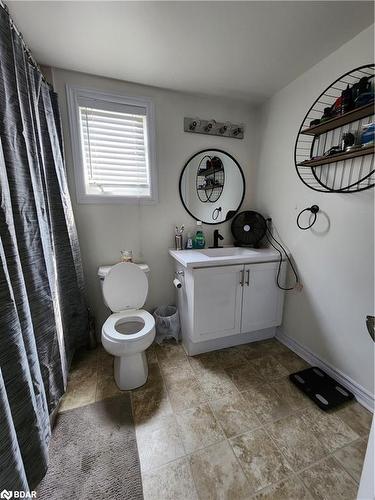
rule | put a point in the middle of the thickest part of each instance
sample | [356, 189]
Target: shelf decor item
[334, 150]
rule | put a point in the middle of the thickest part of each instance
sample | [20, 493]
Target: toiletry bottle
[189, 241]
[178, 237]
[199, 240]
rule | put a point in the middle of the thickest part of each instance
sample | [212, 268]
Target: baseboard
[361, 394]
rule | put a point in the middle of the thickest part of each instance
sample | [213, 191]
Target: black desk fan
[248, 228]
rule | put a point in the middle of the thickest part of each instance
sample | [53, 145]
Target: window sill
[114, 200]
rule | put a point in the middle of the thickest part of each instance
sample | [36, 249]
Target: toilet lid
[125, 287]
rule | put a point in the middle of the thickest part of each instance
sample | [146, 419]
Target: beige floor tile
[288, 489]
[217, 474]
[204, 363]
[173, 374]
[154, 388]
[217, 385]
[331, 431]
[85, 361]
[232, 356]
[266, 404]
[357, 417]
[265, 348]
[291, 362]
[170, 354]
[174, 481]
[84, 368]
[186, 393]
[234, 415]
[327, 480]
[287, 391]
[260, 459]
[151, 409]
[296, 441]
[106, 385]
[82, 380]
[151, 354]
[244, 377]
[351, 457]
[159, 444]
[198, 428]
[268, 368]
[80, 395]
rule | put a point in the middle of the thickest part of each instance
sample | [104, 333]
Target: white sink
[225, 252]
[223, 256]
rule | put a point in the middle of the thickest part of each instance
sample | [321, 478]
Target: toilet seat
[109, 327]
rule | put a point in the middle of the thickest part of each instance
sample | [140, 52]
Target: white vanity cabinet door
[262, 302]
[217, 301]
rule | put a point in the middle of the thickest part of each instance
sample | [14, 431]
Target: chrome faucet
[217, 237]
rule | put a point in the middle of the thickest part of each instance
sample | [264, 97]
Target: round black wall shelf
[210, 179]
[334, 152]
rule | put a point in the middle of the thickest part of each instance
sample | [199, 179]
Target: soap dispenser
[199, 240]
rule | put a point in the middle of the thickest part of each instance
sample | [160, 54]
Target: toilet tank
[103, 271]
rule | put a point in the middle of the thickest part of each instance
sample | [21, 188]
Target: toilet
[130, 330]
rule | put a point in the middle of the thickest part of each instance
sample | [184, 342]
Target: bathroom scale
[321, 388]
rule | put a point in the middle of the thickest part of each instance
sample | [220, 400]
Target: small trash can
[167, 322]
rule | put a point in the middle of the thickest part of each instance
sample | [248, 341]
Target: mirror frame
[243, 180]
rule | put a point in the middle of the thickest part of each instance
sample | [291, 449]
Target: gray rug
[93, 454]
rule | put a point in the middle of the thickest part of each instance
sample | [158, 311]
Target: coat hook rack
[212, 127]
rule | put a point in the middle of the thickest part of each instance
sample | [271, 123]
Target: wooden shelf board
[368, 150]
[209, 187]
[209, 171]
[340, 121]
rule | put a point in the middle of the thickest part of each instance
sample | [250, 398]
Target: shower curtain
[43, 316]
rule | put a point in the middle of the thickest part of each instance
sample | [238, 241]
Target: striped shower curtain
[43, 316]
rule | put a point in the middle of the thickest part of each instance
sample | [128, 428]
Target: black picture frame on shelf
[348, 171]
[230, 213]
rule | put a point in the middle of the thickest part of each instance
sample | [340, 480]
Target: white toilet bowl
[129, 331]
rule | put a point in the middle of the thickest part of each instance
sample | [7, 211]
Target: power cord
[270, 235]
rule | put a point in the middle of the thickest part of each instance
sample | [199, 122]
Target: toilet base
[130, 371]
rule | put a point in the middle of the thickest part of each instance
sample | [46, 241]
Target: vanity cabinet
[230, 300]
[262, 299]
[228, 296]
[217, 301]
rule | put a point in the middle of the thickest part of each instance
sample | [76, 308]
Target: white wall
[336, 266]
[148, 230]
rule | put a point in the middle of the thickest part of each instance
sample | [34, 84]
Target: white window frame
[74, 93]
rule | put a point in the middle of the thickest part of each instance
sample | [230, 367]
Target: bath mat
[93, 454]
[321, 388]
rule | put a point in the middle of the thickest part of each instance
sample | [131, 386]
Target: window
[113, 147]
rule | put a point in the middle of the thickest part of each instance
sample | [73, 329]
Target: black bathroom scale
[321, 388]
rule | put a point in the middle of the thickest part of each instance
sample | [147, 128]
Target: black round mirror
[212, 186]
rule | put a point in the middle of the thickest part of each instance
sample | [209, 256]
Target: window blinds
[115, 151]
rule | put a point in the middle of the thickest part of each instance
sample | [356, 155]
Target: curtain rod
[24, 45]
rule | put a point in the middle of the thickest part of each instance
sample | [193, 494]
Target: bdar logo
[6, 494]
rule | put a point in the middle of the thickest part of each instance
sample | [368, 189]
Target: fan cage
[347, 175]
[258, 227]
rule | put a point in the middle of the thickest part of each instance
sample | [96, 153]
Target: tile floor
[230, 425]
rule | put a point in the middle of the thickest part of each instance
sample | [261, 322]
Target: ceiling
[241, 50]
